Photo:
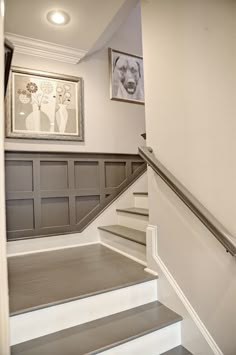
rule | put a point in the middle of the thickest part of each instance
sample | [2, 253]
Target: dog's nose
[131, 81]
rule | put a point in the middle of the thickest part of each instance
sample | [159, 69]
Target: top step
[179, 350]
[50, 278]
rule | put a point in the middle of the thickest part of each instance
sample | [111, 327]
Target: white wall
[110, 126]
[189, 53]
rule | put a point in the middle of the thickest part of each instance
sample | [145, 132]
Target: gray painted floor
[48, 278]
[128, 233]
[102, 334]
[179, 350]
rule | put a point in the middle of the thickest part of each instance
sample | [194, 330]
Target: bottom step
[158, 326]
[179, 350]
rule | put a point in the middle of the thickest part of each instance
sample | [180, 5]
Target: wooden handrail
[210, 222]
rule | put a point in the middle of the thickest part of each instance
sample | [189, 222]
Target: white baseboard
[43, 250]
[152, 238]
[66, 315]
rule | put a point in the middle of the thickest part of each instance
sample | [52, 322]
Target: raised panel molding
[43, 49]
[60, 193]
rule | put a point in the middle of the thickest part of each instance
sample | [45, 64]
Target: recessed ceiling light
[58, 17]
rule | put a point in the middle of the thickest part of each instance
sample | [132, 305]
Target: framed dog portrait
[42, 105]
[126, 77]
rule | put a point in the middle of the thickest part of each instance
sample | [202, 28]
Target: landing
[53, 277]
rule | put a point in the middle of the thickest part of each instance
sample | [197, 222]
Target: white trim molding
[4, 299]
[152, 244]
[43, 49]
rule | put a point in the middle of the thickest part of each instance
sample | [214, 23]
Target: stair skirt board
[132, 220]
[55, 318]
[151, 344]
[141, 201]
[128, 248]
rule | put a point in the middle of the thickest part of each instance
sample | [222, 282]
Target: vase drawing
[62, 117]
[32, 121]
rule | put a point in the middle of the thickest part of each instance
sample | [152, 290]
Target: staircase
[93, 299]
[129, 234]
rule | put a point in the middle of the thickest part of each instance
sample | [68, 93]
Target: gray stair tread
[101, 334]
[127, 233]
[49, 278]
[140, 193]
[135, 210]
[179, 350]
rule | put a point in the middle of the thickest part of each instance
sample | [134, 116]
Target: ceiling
[89, 20]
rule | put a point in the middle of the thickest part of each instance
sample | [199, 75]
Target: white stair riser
[126, 246]
[154, 343]
[133, 221]
[48, 320]
[141, 201]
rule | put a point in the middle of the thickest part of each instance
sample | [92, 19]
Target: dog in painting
[128, 72]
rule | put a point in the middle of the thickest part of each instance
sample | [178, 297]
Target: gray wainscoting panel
[54, 175]
[115, 173]
[57, 193]
[20, 178]
[55, 212]
[20, 214]
[85, 205]
[87, 175]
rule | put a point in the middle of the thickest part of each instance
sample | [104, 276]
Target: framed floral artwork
[42, 105]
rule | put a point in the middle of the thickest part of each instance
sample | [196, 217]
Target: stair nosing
[103, 228]
[139, 333]
[67, 300]
[136, 336]
[81, 257]
[139, 213]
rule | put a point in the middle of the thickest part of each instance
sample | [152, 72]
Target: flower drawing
[32, 87]
[63, 94]
[38, 94]
[35, 94]
[46, 87]
[24, 98]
